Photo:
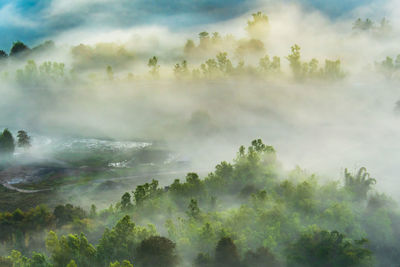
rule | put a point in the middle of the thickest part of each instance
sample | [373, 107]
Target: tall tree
[154, 67]
[294, 60]
[360, 183]
[7, 145]
[24, 140]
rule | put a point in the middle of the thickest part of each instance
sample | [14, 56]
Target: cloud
[32, 21]
[10, 17]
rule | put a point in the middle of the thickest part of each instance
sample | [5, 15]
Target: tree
[361, 25]
[39, 260]
[154, 67]
[226, 254]
[210, 68]
[93, 211]
[68, 213]
[193, 209]
[18, 259]
[125, 263]
[18, 48]
[24, 140]
[7, 145]
[268, 66]
[215, 38]
[70, 247]
[327, 249]
[359, 184]
[119, 243]
[258, 26]
[72, 263]
[126, 201]
[157, 251]
[181, 69]
[145, 191]
[332, 69]
[204, 35]
[294, 60]
[189, 47]
[3, 54]
[224, 63]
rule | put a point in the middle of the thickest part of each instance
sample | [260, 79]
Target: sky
[32, 21]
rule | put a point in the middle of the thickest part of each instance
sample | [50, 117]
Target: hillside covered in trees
[245, 213]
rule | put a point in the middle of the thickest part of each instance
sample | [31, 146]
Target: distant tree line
[19, 49]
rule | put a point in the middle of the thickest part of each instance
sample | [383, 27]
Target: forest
[247, 212]
[122, 145]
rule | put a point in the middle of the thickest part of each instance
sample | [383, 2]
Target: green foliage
[258, 25]
[294, 60]
[18, 48]
[52, 70]
[332, 70]
[75, 247]
[17, 226]
[270, 67]
[72, 264]
[193, 208]
[47, 72]
[68, 213]
[127, 236]
[302, 70]
[358, 184]
[7, 145]
[189, 47]
[154, 67]
[249, 48]
[24, 140]
[181, 70]
[204, 38]
[145, 191]
[86, 57]
[157, 251]
[324, 248]
[191, 188]
[125, 263]
[126, 201]
[389, 67]
[252, 214]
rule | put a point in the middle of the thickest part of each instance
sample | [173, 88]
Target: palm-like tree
[360, 183]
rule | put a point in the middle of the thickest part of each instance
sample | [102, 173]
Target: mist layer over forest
[93, 115]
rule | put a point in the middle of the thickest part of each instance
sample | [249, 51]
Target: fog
[110, 107]
[323, 126]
